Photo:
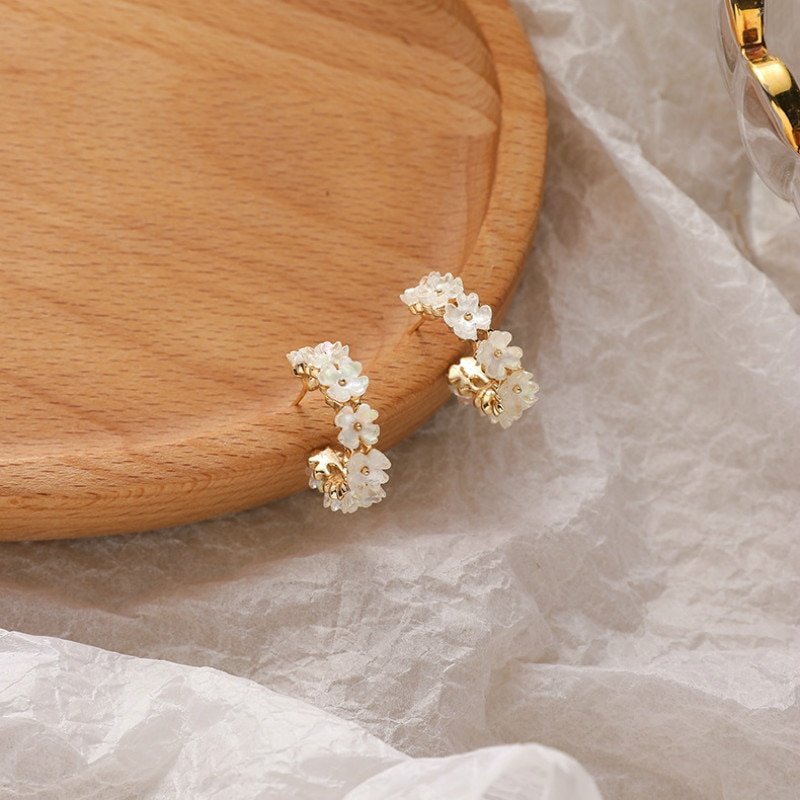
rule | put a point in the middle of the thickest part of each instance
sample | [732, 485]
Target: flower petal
[366, 414]
[499, 339]
[378, 460]
[357, 386]
[465, 330]
[483, 318]
[346, 417]
[339, 394]
[349, 438]
[349, 368]
[453, 315]
[369, 434]
[469, 303]
[328, 375]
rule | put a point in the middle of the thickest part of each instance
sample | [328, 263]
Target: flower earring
[492, 378]
[350, 477]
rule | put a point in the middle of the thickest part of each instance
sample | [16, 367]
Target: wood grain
[190, 189]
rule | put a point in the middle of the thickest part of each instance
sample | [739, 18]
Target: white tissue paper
[79, 722]
[617, 577]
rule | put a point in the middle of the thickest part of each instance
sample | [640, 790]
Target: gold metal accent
[425, 313]
[467, 377]
[488, 401]
[470, 381]
[329, 467]
[747, 18]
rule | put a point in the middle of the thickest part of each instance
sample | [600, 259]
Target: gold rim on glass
[747, 18]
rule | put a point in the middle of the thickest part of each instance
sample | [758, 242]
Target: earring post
[302, 394]
[417, 325]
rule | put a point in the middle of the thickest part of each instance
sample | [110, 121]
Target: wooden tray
[190, 188]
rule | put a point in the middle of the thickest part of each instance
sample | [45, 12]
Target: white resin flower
[358, 426]
[363, 495]
[347, 504]
[517, 392]
[300, 357]
[367, 471]
[467, 317]
[496, 355]
[342, 379]
[434, 291]
[329, 353]
[319, 356]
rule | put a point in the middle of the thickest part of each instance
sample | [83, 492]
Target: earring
[350, 477]
[492, 378]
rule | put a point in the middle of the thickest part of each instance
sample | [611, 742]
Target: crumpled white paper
[78, 722]
[618, 575]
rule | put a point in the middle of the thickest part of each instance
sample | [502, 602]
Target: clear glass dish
[765, 94]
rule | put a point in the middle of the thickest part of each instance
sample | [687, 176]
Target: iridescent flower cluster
[492, 378]
[351, 476]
